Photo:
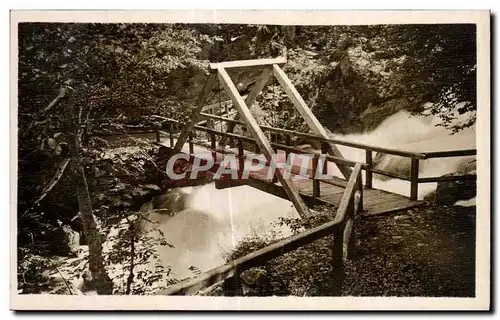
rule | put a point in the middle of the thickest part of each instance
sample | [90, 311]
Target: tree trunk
[130, 278]
[103, 283]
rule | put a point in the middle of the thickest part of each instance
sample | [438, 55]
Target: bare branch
[55, 179]
[62, 94]
[64, 279]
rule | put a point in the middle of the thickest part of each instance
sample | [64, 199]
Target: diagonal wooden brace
[308, 116]
[262, 141]
[209, 84]
[259, 85]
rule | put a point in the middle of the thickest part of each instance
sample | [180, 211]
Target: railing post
[348, 243]
[232, 286]
[157, 134]
[360, 188]
[324, 150]
[171, 138]
[337, 261]
[288, 141]
[316, 191]
[241, 159]
[191, 146]
[369, 174]
[414, 178]
[213, 146]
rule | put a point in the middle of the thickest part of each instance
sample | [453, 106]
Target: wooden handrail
[408, 154]
[261, 256]
[454, 153]
[368, 166]
[448, 178]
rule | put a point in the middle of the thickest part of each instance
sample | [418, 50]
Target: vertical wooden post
[213, 145]
[360, 188]
[191, 146]
[369, 174]
[288, 140]
[170, 134]
[232, 286]
[337, 261]
[324, 150]
[241, 159]
[157, 134]
[414, 178]
[316, 191]
[347, 243]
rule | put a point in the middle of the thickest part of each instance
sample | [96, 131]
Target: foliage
[132, 257]
[305, 271]
[434, 64]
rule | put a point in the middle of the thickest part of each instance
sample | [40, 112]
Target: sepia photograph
[232, 162]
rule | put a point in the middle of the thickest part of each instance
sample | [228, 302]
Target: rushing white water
[403, 131]
[215, 220]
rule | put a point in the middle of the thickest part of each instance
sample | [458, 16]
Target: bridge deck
[375, 201]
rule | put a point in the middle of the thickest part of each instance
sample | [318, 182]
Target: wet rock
[170, 202]
[449, 192]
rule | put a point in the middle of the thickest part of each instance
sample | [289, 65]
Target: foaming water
[215, 221]
[404, 131]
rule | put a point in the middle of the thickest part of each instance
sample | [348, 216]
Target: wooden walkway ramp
[326, 192]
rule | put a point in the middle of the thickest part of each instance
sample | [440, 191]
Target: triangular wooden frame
[269, 67]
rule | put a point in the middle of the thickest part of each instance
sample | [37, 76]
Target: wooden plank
[448, 178]
[327, 188]
[262, 141]
[195, 113]
[373, 194]
[385, 198]
[414, 178]
[308, 116]
[389, 207]
[247, 64]
[454, 153]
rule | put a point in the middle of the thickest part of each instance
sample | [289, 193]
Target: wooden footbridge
[351, 191]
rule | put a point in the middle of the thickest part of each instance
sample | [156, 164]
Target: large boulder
[170, 202]
[449, 192]
[255, 282]
[391, 163]
[65, 241]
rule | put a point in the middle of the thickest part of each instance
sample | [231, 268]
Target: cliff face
[357, 94]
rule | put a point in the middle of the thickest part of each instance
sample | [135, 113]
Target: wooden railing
[341, 227]
[368, 166]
